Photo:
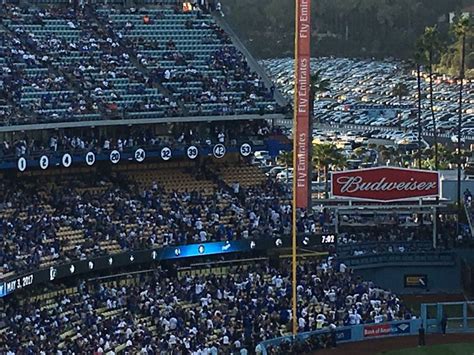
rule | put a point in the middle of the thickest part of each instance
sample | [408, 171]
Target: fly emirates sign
[385, 184]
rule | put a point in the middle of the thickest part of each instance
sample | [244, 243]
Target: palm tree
[385, 154]
[432, 47]
[420, 59]
[318, 84]
[327, 157]
[400, 90]
[460, 29]
[286, 159]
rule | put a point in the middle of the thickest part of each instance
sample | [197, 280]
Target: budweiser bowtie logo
[385, 184]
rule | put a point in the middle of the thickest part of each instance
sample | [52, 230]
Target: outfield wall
[356, 333]
[459, 315]
[436, 278]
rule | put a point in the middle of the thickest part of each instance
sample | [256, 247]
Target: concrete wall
[449, 188]
[441, 279]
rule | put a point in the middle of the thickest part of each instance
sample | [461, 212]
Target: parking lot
[361, 95]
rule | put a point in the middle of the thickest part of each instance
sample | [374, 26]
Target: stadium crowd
[400, 238]
[356, 241]
[175, 136]
[116, 213]
[212, 314]
[109, 213]
[61, 64]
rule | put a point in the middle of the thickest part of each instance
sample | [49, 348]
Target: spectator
[421, 335]
[444, 323]
[232, 312]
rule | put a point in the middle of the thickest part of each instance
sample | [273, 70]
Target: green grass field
[445, 349]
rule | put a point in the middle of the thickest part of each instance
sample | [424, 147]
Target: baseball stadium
[236, 177]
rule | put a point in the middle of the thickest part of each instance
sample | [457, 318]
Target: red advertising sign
[385, 184]
[302, 137]
[377, 330]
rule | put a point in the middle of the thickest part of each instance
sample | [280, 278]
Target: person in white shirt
[301, 324]
[221, 137]
[379, 318]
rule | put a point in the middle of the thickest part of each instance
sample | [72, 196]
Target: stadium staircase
[199, 42]
[133, 55]
[253, 63]
[468, 212]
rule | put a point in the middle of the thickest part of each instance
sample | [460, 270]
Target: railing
[352, 333]
[388, 259]
[354, 127]
[459, 316]
[349, 248]
[130, 258]
[469, 219]
[65, 158]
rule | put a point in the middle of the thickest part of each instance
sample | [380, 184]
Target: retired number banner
[302, 136]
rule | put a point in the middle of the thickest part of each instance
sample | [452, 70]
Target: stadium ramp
[254, 65]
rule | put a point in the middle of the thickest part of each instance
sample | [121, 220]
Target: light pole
[461, 85]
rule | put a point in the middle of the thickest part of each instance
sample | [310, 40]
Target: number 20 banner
[139, 155]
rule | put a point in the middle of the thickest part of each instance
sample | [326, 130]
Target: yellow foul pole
[301, 130]
[293, 227]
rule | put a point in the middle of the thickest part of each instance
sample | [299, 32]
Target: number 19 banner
[302, 135]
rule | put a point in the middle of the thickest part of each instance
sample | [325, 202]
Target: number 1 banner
[302, 135]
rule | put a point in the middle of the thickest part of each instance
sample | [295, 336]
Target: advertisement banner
[343, 334]
[377, 330]
[385, 184]
[302, 135]
[318, 242]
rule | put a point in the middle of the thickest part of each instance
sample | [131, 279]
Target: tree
[326, 157]
[318, 84]
[400, 90]
[286, 158]
[460, 29]
[385, 154]
[420, 59]
[432, 47]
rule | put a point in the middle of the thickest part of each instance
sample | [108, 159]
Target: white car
[454, 138]
[275, 171]
[410, 138]
[286, 175]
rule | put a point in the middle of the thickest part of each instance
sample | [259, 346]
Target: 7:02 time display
[328, 239]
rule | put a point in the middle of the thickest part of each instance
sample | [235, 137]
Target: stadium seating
[56, 218]
[229, 308]
[102, 63]
[245, 176]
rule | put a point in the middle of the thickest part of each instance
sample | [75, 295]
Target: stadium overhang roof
[136, 121]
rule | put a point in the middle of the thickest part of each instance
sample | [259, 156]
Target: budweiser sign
[385, 184]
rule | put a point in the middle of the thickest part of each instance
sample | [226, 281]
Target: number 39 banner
[139, 155]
